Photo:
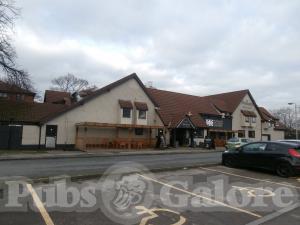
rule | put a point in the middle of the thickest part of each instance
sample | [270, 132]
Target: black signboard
[186, 123]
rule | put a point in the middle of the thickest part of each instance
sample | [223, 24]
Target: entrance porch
[220, 137]
[91, 135]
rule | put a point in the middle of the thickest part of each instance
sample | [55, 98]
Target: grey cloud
[197, 47]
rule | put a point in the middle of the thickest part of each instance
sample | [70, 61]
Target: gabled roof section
[228, 102]
[266, 115]
[174, 106]
[24, 112]
[9, 88]
[106, 89]
[52, 96]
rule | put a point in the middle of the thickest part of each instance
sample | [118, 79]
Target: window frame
[139, 114]
[247, 119]
[255, 150]
[126, 116]
[253, 132]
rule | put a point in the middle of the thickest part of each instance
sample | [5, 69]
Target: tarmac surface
[43, 168]
[203, 195]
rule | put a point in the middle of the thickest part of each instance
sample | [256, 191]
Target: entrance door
[266, 137]
[10, 137]
[4, 137]
[51, 136]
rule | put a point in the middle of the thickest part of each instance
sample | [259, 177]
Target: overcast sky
[190, 46]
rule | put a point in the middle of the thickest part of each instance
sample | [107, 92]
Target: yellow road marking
[200, 196]
[252, 178]
[153, 215]
[40, 205]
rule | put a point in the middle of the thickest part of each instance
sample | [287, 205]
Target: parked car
[236, 142]
[280, 157]
[290, 141]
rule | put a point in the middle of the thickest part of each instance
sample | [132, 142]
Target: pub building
[127, 115]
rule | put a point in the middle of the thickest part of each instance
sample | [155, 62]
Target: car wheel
[284, 170]
[229, 162]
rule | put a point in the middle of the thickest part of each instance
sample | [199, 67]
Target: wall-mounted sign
[186, 123]
[214, 123]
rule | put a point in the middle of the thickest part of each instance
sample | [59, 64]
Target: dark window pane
[126, 113]
[251, 134]
[139, 131]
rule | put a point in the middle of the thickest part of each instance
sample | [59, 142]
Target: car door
[273, 152]
[250, 154]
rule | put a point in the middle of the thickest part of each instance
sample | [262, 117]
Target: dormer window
[142, 114]
[126, 107]
[126, 113]
[142, 109]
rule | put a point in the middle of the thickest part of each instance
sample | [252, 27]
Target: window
[247, 119]
[241, 133]
[199, 133]
[139, 131]
[126, 113]
[253, 119]
[255, 147]
[18, 97]
[275, 147]
[251, 134]
[3, 95]
[142, 114]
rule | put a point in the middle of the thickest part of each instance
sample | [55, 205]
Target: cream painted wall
[102, 109]
[30, 135]
[238, 118]
[275, 134]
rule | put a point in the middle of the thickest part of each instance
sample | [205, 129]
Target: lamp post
[296, 118]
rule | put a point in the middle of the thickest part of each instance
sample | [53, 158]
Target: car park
[236, 142]
[280, 157]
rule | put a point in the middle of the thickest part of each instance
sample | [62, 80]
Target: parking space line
[40, 205]
[200, 196]
[252, 178]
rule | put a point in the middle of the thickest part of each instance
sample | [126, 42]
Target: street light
[296, 118]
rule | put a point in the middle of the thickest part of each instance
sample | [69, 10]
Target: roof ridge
[230, 92]
[173, 92]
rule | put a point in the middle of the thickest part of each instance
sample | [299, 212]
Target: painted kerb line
[40, 205]
[200, 196]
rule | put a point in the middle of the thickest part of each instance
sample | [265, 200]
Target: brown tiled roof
[125, 104]
[141, 106]
[8, 88]
[266, 115]
[56, 96]
[228, 102]
[24, 112]
[174, 106]
[248, 113]
[105, 90]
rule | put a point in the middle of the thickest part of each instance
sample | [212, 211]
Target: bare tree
[70, 83]
[286, 116]
[14, 76]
